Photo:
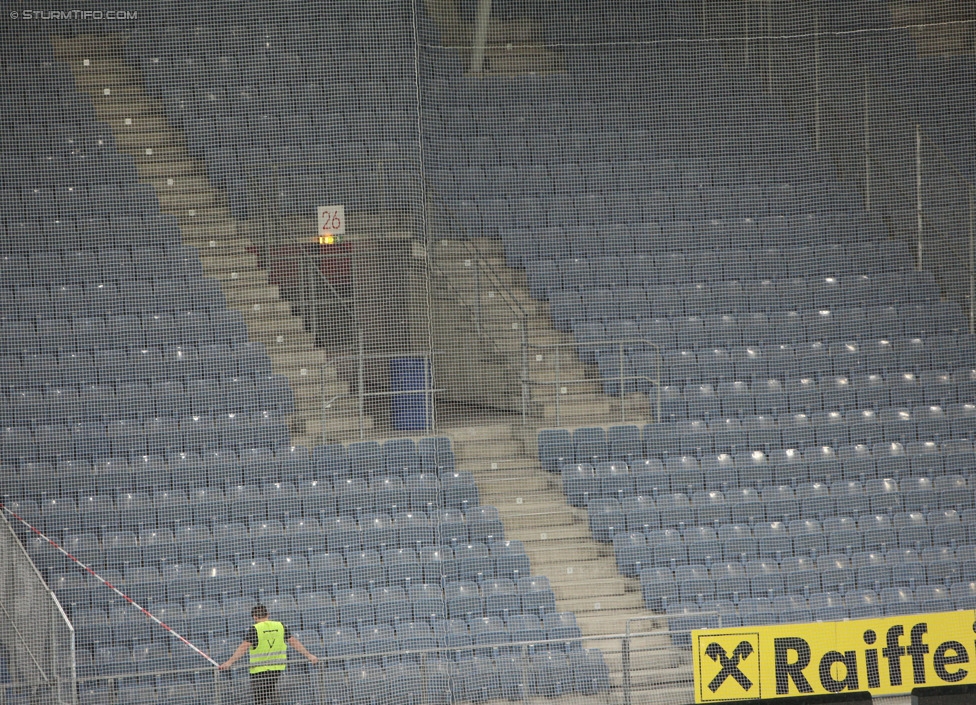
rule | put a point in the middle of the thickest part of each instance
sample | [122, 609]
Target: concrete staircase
[582, 571]
[508, 338]
[139, 124]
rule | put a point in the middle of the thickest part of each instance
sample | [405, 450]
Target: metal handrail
[361, 394]
[620, 346]
[519, 316]
[338, 664]
[25, 560]
[469, 243]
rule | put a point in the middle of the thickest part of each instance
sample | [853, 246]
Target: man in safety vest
[267, 643]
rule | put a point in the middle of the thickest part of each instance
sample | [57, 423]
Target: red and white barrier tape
[106, 583]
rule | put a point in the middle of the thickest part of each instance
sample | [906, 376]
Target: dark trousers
[264, 687]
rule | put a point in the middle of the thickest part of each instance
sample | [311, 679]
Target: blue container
[409, 412]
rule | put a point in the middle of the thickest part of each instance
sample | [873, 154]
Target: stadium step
[478, 294]
[184, 190]
[582, 572]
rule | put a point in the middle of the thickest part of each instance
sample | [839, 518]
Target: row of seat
[343, 613]
[925, 481]
[77, 201]
[324, 465]
[752, 442]
[664, 285]
[77, 168]
[947, 513]
[934, 397]
[210, 324]
[774, 540]
[684, 323]
[485, 135]
[112, 231]
[869, 401]
[798, 577]
[138, 400]
[443, 640]
[139, 364]
[129, 437]
[862, 603]
[302, 617]
[662, 202]
[59, 276]
[542, 211]
[443, 677]
[935, 359]
[175, 575]
[115, 493]
[722, 391]
[244, 527]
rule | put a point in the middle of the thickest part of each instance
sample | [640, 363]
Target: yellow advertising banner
[883, 656]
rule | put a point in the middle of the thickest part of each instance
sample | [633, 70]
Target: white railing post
[480, 36]
[816, 80]
[918, 192]
[867, 144]
[972, 261]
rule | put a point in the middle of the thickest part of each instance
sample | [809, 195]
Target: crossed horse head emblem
[730, 664]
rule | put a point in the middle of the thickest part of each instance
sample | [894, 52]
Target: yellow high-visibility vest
[270, 652]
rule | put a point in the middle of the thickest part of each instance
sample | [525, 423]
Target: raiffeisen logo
[883, 656]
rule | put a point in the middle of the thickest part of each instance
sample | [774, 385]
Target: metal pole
[620, 376]
[480, 36]
[557, 387]
[477, 297]
[972, 263]
[918, 191]
[525, 372]
[745, 43]
[660, 363]
[769, 46]
[625, 666]
[867, 144]
[325, 404]
[217, 694]
[429, 394]
[816, 80]
[362, 389]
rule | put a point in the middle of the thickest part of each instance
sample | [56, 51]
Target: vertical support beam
[867, 143]
[362, 386]
[816, 80]
[769, 46]
[625, 668]
[524, 338]
[918, 193]
[972, 260]
[480, 36]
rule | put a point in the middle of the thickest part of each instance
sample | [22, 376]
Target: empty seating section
[338, 119]
[747, 523]
[813, 454]
[142, 430]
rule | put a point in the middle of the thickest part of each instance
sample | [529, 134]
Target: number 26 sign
[332, 220]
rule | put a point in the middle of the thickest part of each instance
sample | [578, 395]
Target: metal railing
[37, 637]
[361, 395]
[484, 278]
[623, 383]
[656, 671]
